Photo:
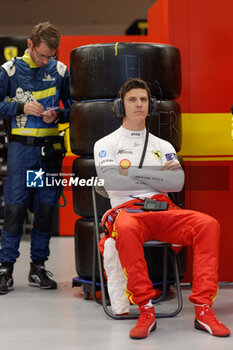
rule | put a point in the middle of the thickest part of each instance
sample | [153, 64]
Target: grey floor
[61, 319]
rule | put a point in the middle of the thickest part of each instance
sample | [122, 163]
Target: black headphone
[119, 108]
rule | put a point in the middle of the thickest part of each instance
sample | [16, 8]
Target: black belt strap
[32, 140]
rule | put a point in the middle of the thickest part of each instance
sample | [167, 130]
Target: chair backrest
[84, 168]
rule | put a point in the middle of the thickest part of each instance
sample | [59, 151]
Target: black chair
[97, 263]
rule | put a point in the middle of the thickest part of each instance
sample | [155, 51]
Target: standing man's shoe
[39, 277]
[6, 280]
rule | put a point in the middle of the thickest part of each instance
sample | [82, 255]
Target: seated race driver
[117, 158]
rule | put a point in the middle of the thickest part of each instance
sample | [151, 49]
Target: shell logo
[125, 163]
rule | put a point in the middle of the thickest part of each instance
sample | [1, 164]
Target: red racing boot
[206, 320]
[145, 324]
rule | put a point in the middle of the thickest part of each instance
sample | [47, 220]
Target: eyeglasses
[44, 56]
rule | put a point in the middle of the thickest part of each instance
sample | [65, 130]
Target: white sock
[148, 305]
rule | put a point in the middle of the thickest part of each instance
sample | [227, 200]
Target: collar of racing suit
[132, 133]
[27, 59]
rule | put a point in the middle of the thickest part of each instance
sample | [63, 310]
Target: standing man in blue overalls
[31, 88]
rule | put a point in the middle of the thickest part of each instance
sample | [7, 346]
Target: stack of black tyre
[97, 73]
[9, 48]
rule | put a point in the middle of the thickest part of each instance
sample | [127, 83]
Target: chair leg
[172, 255]
[94, 271]
[177, 280]
[165, 269]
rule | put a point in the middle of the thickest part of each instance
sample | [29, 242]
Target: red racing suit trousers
[184, 227]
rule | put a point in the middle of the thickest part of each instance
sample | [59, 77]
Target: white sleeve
[108, 170]
[157, 178]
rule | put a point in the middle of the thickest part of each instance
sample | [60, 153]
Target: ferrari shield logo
[157, 154]
[10, 52]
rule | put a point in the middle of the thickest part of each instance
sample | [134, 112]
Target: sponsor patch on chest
[125, 163]
[157, 154]
[124, 151]
[170, 156]
[47, 77]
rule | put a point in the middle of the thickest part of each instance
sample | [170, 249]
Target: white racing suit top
[121, 150]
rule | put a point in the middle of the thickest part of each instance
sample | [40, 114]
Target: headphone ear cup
[153, 106]
[119, 108]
